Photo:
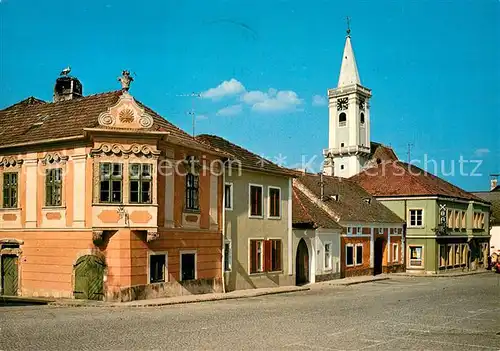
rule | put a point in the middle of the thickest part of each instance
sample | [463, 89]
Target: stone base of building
[328, 276]
[397, 268]
[169, 289]
[358, 272]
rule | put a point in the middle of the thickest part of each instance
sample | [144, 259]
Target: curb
[175, 302]
[333, 283]
[442, 275]
[27, 300]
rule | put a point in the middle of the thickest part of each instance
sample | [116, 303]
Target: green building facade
[443, 234]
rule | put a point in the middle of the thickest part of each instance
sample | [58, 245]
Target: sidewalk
[238, 294]
[348, 281]
[442, 275]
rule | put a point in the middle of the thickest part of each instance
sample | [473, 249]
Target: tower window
[342, 119]
[341, 166]
[362, 118]
[342, 144]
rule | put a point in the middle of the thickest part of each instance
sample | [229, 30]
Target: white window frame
[250, 185]
[395, 254]
[380, 231]
[359, 231]
[230, 195]
[229, 257]
[269, 202]
[353, 255]
[422, 259]
[260, 268]
[183, 252]
[356, 254]
[157, 253]
[329, 266]
[409, 218]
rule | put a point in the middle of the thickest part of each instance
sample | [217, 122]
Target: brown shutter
[267, 255]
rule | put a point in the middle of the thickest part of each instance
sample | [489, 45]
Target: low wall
[168, 289]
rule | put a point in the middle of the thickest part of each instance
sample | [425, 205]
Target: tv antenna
[193, 95]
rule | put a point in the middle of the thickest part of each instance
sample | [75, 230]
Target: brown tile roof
[354, 204]
[305, 214]
[402, 179]
[382, 152]
[248, 159]
[493, 197]
[22, 122]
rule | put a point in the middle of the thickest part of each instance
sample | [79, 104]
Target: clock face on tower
[342, 104]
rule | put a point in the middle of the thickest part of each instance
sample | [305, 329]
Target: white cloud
[201, 117]
[253, 97]
[226, 88]
[232, 110]
[259, 101]
[481, 152]
[286, 100]
[319, 100]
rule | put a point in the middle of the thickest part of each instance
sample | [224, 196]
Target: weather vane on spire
[348, 26]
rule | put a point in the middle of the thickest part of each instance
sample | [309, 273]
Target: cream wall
[240, 228]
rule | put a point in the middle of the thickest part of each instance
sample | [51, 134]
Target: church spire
[348, 71]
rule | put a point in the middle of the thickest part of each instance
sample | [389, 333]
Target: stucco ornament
[54, 158]
[119, 149]
[125, 80]
[126, 113]
[9, 161]
[152, 235]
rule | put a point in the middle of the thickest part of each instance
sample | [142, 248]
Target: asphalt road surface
[461, 313]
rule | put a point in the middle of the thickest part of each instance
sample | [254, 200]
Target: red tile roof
[33, 120]
[402, 179]
[248, 159]
[306, 214]
[354, 204]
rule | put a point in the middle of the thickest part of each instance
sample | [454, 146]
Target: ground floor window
[256, 256]
[228, 256]
[458, 258]
[265, 255]
[275, 255]
[359, 254]
[349, 255]
[451, 255]
[188, 265]
[416, 256]
[328, 255]
[465, 252]
[157, 268]
[395, 252]
[442, 255]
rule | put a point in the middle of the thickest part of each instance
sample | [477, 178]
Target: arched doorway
[379, 255]
[302, 264]
[89, 278]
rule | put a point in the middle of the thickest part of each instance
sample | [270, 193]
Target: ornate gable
[126, 114]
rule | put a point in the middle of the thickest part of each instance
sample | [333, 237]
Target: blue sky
[433, 67]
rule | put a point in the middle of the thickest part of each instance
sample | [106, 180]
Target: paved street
[404, 313]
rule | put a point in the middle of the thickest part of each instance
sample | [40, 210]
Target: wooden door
[302, 264]
[89, 278]
[9, 275]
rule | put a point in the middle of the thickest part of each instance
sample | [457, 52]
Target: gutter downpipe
[223, 225]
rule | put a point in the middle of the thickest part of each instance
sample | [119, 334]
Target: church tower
[349, 120]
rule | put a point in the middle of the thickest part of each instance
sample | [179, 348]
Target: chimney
[494, 181]
[67, 87]
[322, 186]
